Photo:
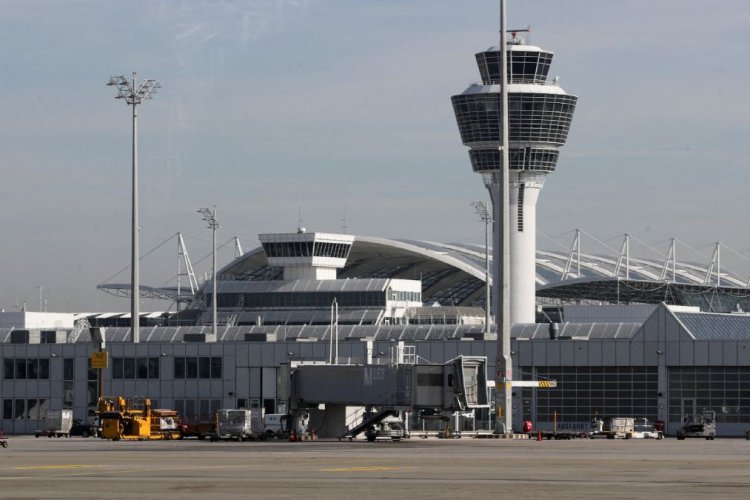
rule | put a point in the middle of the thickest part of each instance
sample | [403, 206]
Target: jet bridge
[458, 385]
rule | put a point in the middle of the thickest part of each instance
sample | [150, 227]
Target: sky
[337, 114]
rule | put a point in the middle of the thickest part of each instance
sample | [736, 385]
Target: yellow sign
[99, 360]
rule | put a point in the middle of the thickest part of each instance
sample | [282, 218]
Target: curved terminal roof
[454, 274]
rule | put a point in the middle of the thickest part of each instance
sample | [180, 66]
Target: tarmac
[413, 468]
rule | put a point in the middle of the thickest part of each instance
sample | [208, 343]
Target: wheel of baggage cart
[747, 435]
[5, 444]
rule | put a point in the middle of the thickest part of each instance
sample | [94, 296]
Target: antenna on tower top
[343, 221]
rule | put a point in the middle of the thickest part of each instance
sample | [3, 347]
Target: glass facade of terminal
[587, 392]
[305, 299]
[725, 390]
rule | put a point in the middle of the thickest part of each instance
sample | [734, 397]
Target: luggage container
[57, 423]
[238, 424]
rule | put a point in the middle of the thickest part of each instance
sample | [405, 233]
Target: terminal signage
[99, 360]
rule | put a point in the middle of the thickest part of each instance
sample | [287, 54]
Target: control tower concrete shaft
[540, 113]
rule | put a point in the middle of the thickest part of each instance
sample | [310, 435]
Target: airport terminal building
[643, 358]
[621, 336]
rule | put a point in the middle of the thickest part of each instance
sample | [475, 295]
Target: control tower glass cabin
[540, 113]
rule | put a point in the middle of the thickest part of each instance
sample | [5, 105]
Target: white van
[275, 425]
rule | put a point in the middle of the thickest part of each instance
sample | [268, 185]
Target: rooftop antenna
[299, 219]
[40, 297]
[343, 221]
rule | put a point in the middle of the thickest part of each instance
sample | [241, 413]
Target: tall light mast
[134, 92]
[514, 123]
[209, 215]
[486, 215]
[504, 364]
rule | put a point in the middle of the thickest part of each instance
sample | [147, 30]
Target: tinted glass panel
[142, 367]
[216, 367]
[191, 367]
[153, 368]
[204, 367]
[20, 368]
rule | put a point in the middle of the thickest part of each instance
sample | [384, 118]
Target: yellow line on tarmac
[374, 468]
[48, 467]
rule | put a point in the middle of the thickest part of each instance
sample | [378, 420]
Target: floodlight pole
[485, 214]
[134, 94]
[209, 215]
[504, 367]
[135, 261]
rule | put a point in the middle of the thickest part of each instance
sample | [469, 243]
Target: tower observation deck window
[306, 249]
[523, 66]
[336, 250]
[536, 159]
[289, 249]
[535, 118]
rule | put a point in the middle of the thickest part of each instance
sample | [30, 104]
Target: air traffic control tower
[540, 113]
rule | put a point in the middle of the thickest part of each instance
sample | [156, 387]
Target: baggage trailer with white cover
[613, 427]
[239, 424]
[57, 423]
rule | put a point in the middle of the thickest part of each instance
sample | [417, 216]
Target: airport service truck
[702, 425]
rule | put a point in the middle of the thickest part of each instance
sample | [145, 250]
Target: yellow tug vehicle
[133, 419]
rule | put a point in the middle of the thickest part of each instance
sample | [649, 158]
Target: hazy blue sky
[272, 108]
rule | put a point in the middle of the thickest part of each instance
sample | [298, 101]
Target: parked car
[84, 428]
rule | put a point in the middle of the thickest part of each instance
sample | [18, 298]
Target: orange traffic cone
[539, 435]
[293, 436]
